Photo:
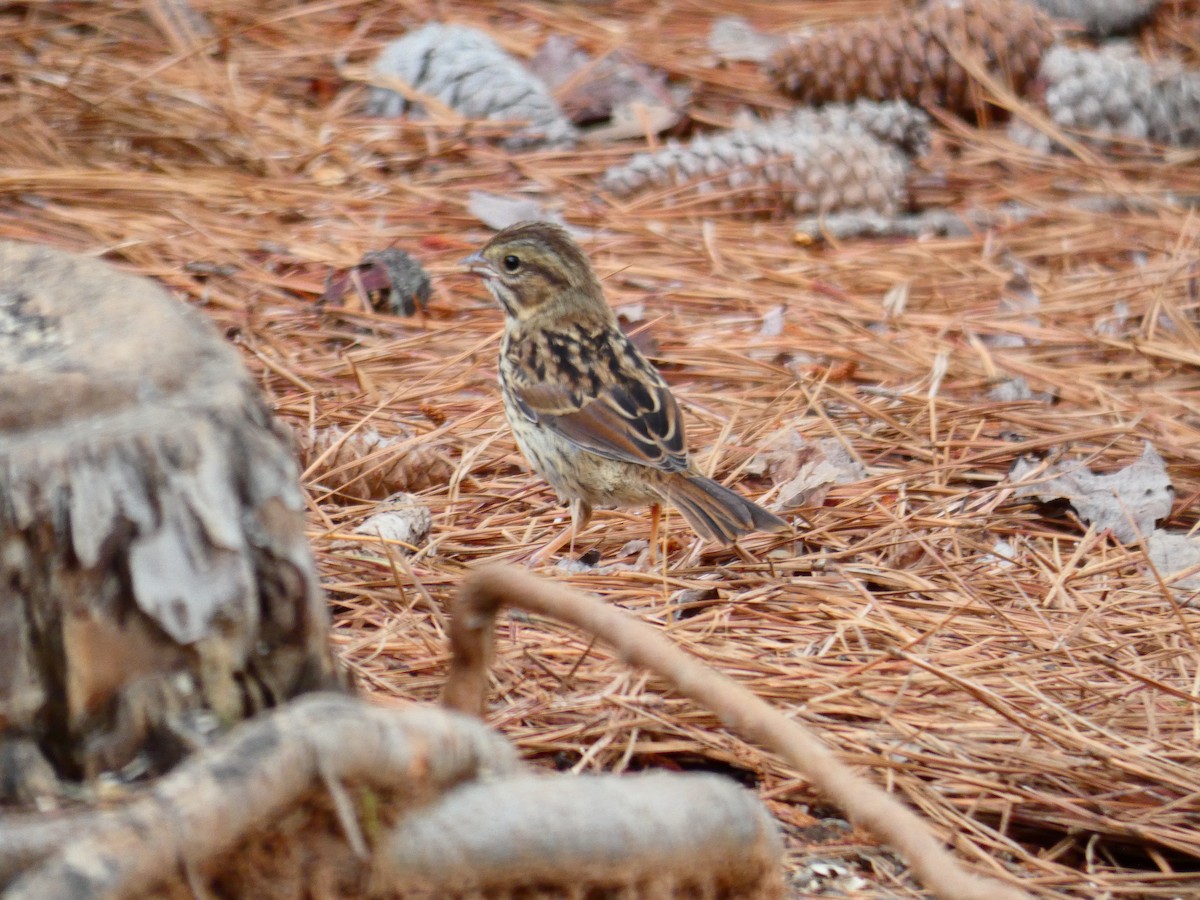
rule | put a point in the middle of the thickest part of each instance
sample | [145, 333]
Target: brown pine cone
[912, 55]
[366, 465]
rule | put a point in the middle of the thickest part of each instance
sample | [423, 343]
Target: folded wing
[619, 409]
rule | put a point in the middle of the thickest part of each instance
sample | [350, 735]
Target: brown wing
[601, 394]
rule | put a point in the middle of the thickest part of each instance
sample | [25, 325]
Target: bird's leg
[581, 514]
[655, 517]
[574, 524]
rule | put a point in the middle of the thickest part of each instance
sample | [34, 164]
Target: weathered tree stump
[155, 574]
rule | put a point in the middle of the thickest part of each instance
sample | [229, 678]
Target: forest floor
[1023, 678]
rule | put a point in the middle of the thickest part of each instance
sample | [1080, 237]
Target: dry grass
[1040, 705]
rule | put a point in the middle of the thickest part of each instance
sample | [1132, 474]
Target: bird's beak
[477, 265]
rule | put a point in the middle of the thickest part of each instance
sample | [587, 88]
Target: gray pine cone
[1101, 17]
[467, 70]
[891, 121]
[1121, 96]
[787, 166]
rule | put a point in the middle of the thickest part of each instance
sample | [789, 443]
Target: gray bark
[155, 575]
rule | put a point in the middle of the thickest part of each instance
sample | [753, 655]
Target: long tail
[716, 512]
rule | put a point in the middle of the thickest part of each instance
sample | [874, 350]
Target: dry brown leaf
[805, 470]
[635, 119]
[499, 211]
[593, 90]
[1172, 554]
[402, 518]
[1128, 502]
[733, 38]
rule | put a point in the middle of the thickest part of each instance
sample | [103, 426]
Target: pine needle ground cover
[1022, 672]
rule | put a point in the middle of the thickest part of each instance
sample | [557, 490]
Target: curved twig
[491, 587]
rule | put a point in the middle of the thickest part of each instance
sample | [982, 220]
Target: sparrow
[591, 414]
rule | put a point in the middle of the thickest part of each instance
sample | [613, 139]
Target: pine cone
[1101, 17]
[369, 466]
[772, 169]
[392, 280]
[1110, 95]
[911, 55]
[467, 70]
[893, 122]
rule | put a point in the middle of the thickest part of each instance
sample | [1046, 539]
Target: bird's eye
[512, 263]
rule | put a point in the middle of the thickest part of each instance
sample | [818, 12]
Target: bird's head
[536, 270]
